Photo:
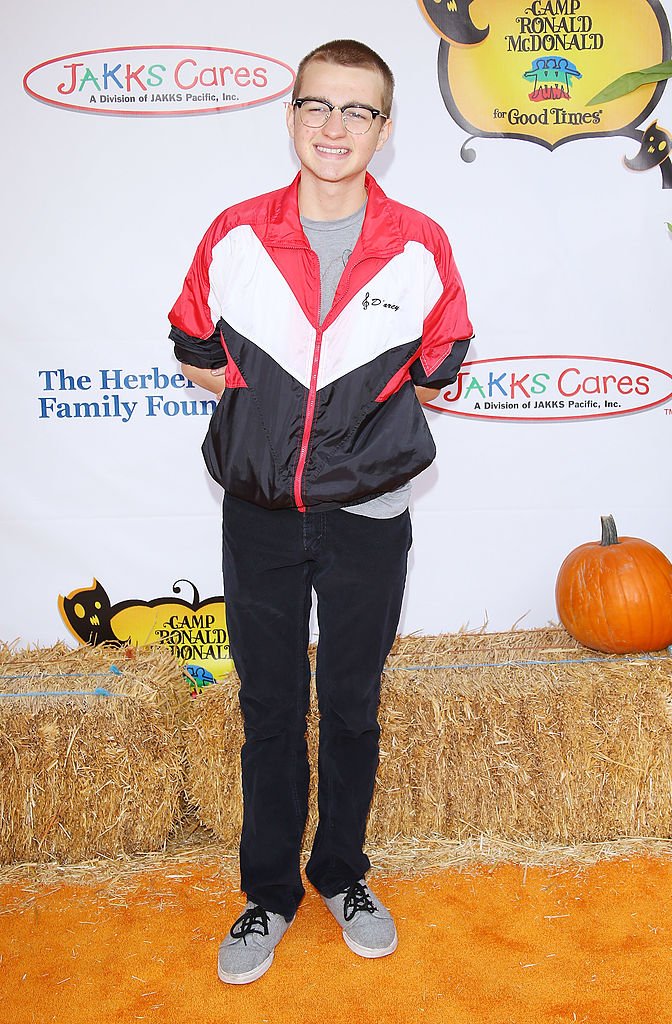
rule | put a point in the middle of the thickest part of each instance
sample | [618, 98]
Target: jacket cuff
[205, 354]
[446, 372]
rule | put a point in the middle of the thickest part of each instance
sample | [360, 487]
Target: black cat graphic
[89, 614]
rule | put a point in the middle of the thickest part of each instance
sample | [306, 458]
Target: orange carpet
[503, 945]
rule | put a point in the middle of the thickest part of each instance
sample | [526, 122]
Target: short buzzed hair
[352, 54]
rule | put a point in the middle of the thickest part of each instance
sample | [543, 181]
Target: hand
[219, 371]
[211, 380]
[427, 394]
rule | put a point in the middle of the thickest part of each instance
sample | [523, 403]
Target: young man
[330, 313]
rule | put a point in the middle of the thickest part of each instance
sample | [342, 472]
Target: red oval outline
[157, 113]
[558, 419]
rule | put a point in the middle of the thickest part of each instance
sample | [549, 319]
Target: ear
[289, 115]
[384, 134]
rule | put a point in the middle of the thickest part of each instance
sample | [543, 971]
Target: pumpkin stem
[609, 534]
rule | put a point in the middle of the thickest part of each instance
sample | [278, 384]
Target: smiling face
[334, 162]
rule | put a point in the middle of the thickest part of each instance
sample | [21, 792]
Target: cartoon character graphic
[452, 20]
[88, 614]
[654, 149]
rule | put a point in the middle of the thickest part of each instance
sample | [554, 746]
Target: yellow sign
[195, 630]
[526, 70]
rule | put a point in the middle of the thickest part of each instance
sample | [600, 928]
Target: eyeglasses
[357, 117]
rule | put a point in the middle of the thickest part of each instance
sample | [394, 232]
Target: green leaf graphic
[628, 83]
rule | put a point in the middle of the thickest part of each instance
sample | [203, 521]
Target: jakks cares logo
[151, 80]
[554, 388]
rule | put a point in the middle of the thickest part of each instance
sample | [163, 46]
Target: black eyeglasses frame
[300, 100]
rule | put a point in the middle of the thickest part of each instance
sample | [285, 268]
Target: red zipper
[309, 406]
[312, 390]
[308, 423]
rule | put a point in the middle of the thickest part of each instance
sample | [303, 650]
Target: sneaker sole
[367, 951]
[245, 979]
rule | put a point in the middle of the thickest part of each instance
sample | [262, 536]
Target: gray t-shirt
[333, 242]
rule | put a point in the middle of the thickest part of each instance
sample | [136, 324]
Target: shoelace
[357, 897]
[254, 920]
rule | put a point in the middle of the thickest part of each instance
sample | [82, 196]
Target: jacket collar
[380, 235]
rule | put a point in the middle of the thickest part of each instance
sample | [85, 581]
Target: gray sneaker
[247, 951]
[368, 928]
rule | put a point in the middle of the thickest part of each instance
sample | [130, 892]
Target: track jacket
[318, 416]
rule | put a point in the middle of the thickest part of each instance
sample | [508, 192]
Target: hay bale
[88, 775]
[564, 752]
[522, 736]
[213, 739]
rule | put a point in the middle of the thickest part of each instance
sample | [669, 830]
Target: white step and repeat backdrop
[128, 127]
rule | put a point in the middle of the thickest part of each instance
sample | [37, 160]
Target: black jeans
[357, 567]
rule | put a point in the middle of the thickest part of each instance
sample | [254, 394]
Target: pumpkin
[615, 594]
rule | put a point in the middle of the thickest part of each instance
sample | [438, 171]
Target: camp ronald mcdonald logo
[153, 80]
[195, 630]
[528, 70]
